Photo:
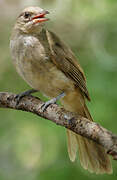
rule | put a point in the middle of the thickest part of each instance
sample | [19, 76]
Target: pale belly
[33, 63]
[46, 78]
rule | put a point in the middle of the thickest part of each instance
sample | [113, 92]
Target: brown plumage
[48, 65]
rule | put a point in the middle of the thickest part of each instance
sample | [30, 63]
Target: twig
[60, 116]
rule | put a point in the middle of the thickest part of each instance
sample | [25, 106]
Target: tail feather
[72, 145]
[93, 157]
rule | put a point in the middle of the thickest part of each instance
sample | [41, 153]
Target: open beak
[40, 17]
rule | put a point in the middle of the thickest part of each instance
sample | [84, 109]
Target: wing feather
[65, 60]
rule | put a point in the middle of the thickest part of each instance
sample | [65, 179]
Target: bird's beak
[40, 17]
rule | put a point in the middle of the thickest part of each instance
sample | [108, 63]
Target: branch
[60, 116]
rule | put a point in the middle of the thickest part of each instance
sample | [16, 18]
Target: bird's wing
[65, 60]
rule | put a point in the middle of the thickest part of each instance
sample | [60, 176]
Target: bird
[48, 65]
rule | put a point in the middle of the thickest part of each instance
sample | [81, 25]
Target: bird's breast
[33, 62]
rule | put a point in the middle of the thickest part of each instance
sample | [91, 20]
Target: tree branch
[60, 116]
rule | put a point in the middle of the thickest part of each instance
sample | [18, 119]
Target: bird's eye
[27, 15]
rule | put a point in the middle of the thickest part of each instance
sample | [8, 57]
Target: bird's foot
[18, 97]
[52, 101]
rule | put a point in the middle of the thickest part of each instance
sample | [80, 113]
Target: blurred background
[30, 147]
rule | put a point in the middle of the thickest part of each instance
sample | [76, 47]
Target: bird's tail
[92, 156]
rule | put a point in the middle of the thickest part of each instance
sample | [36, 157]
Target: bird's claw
[46, 104]
[52, 101]
[19, 96]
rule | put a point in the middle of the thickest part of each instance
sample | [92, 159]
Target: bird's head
[31, 19]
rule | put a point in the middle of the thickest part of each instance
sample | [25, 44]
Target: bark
[60, 116]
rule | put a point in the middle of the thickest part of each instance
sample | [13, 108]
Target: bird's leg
[25, 93]
[52, 101]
